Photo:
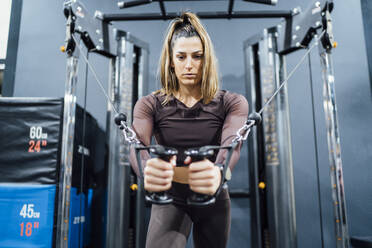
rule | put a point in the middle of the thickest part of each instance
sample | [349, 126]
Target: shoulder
[146, 103]
[232, 101]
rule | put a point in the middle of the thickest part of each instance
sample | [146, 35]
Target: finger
[151, 171]
[157, 180]
[173, 160]
[203, 190]
[202, 174]
[157, 188]
[159, 164]
[201, 183]
[187, 160]
[201, 165]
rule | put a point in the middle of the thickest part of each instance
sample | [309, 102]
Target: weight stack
[30, 151]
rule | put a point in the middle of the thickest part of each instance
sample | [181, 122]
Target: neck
[189, 95]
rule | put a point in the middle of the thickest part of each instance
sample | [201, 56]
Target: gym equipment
[133, 3]
[300, 29]
[298, 33]
[273, 211]
[30, 165]
[166, 153]
[128, 70]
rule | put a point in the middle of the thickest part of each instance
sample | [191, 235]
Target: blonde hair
[188, 25]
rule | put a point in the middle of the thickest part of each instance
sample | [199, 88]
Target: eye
[198, 56]
[180, 57]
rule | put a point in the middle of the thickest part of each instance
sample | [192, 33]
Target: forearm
[144, 156]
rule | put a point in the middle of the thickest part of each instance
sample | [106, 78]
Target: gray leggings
[170, 225]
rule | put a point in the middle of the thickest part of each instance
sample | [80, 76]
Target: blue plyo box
[77, 219]
[27, 214]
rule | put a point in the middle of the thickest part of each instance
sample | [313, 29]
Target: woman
[188, 111]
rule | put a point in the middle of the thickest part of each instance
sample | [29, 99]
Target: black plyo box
[30, 131]
[30, 142]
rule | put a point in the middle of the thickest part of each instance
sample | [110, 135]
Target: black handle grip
[159, 198]
[200, 200]
[197, 199]
[164, 153]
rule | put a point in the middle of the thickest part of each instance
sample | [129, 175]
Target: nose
[188, 63]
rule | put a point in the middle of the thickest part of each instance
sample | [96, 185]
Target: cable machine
[299, 30]
[270, 162]
[273, 210]
[128, 58]
[128, 83]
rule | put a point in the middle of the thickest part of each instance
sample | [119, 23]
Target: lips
[189, 75]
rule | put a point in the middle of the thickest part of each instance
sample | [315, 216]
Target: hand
[204, 176]
[158, 174]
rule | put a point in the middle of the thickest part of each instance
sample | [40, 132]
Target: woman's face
[187, 60]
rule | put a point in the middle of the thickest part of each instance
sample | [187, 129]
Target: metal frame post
[271, 146]
[256, 202]
[67, 153]
[278, 157]
[119, 231]
[117, 234]
[140, 203]
[334, 149]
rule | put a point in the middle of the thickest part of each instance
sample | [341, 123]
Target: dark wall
[40, 71]
[367, 22]
[355, 108]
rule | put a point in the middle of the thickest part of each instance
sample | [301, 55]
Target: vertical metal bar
[140, 214]
[277, 147]
[316, 151]
[231, 6]
[270, 139]
[112, 213]
[118, 205]
[334, 149]
[255, 202]
[162, 8]
[287, 214]
[143, 73]
[121, 221]
[67, 153]
[140, 203]
[12, 48]
[126, 106]
[126, 85]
